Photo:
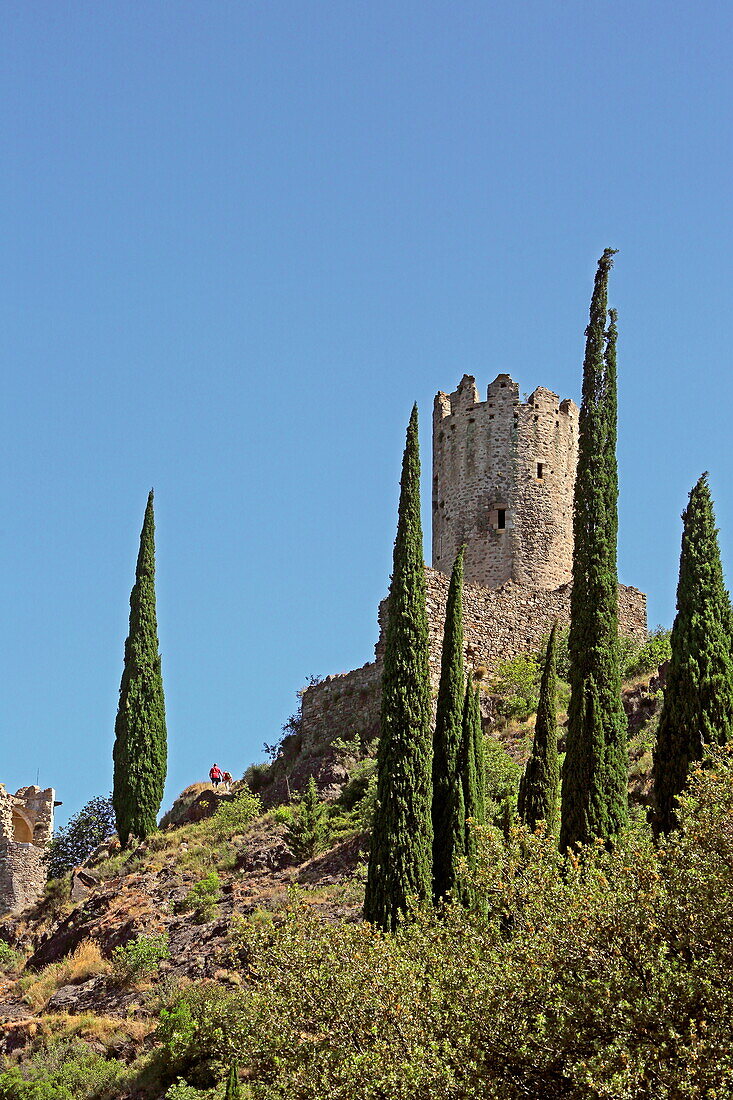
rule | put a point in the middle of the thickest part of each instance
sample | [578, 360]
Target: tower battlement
[503, 481]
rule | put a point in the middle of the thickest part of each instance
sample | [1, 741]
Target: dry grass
[86, 962]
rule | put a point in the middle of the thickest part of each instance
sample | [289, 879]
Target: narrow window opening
[540, 470]
[501, 519]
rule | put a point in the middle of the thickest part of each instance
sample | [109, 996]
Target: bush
[140, 958]
[9, 958]
[517, 682]
[607, 976]
[308, 832]
[85, 831]
[646, 659]
[203, 898]
[502, 777]
[63, 1070]
[232, 817]
[257, 776]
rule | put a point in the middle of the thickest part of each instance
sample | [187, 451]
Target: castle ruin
[503, 480]
[26, 829]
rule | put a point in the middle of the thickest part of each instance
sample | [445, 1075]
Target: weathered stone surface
[503, 480]
[81, 883]
[26, 827]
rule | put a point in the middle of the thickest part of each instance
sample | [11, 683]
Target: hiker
[227, 779]
[215, 775]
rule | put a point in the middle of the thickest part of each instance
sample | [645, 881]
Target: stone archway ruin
[26, 828]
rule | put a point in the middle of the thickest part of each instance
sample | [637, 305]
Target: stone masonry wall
[499, 623]
[26, 827]
[23, 875]
[503, 481]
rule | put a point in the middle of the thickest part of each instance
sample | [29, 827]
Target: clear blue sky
[241, 238]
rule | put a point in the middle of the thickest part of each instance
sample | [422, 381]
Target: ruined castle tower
[503, 480]
[26, 828]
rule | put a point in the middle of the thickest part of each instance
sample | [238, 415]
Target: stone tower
[503, 480]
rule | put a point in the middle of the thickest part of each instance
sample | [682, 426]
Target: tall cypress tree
[449, 814]
[472, 773]
[400, 859]
[698, 699]
[140, 749]
[540, 783]
[594, 781]
[233, 1091]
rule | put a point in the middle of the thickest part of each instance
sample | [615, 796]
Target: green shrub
[140, 958]
[9, 958]
[517, 682]
[62, 1070]
[647, 658]
[232, 817]
[608, 976]
[283, 815]
[308, 832]
[257, 776]
[502, 775]
[203, 898]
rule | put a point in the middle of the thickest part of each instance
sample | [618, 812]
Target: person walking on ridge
[215, 775]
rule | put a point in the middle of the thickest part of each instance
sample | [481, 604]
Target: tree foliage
[698, 698]
[140, 749]
[594, 782]
[610, 976]
[540, 783]
[307, 833]
[448, 808]
[400, 859]
[473, 781]
[85, 831]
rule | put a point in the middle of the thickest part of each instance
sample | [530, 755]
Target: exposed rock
[81, 883]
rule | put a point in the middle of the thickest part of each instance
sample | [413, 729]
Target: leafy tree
[448, 809]
[140, 749]
[307, 833]
[698, 699]
[606, 977]
[85, 831]
[516, 681]
[539, 786]
[594, 782]
[400, 860]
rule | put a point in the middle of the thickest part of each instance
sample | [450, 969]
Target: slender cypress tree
[540, 783]
[594, 781]
[448, 811]
[400, 860]
[232, 1090]
[698, 699]
[140, 749]
[472, 774]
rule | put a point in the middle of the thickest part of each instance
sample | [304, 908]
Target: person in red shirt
[215, 775]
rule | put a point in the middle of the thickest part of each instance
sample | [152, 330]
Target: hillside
[91, 966]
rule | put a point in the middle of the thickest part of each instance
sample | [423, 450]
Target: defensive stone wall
[503, 481]
[499, 623]
[26, 828]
